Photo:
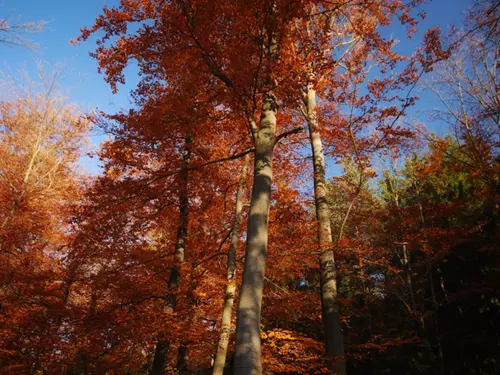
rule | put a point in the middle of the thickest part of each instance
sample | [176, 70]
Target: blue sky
[66, 18]
[83, 84]
[87, 88]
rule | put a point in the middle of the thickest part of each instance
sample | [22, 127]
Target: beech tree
[349, 44]
[220, 358]
[206, 38]
[247, 86]
[41, 139]
[375, 270]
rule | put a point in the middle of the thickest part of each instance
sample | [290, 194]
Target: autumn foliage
[215, 188]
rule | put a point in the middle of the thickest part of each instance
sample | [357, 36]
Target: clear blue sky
[86, 87]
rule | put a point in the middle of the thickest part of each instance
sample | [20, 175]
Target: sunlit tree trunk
[331, 317]
[247, 348]
[220, 357]
[162, 346]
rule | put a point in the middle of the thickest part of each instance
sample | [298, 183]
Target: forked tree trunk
[225, 331]
[162, 346]
[247, 348]
[331, 318]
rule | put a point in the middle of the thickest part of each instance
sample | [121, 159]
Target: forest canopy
[277, 197]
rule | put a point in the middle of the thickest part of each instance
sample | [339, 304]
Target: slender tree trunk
[247, 348]
[405, 260]
[182, 359]
[225, 331]
[435, 303]
[81, 362]
[81, 365]
[160, 358]
[435, 306]
[36, 364]
[331, 317]
[408, 273]
[162, 346]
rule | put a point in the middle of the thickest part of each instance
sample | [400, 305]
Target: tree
[346, 38]
[220, 357]
[251, 81]
[213, 32]
[41, 140]
[11, 32]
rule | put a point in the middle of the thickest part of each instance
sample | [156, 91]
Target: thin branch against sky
[14, 31]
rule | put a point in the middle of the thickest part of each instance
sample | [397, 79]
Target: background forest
[276, 197]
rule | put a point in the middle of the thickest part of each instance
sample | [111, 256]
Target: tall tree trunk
[162, 346]
[405, 258]
[36, 364]
[225, 331]
[247, 348]
[182, 359]
[331, 318]
[435, 303]
[408, 272]
[160, 358]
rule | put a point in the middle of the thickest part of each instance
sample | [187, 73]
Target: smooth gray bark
[162, 346]
[247, 348]
[225, 331]
[331, 318]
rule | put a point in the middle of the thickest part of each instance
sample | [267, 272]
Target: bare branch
[289, 132]
[11, 33]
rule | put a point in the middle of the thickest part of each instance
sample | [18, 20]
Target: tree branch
[190, 168]
[289, 132]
